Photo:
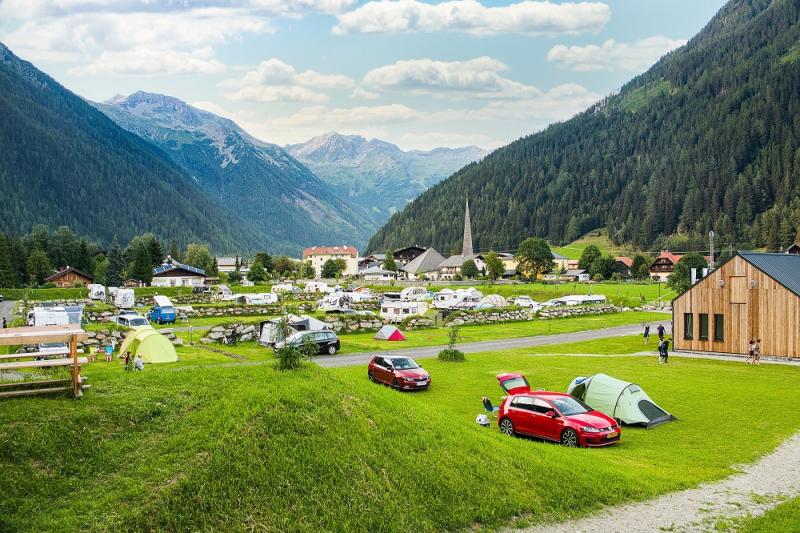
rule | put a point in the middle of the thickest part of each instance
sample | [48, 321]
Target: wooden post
[73, 350]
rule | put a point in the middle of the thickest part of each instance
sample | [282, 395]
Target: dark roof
[783, 268]
[67, 270]
[167, 269]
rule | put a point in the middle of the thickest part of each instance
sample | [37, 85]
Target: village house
[377, 273]
[794, 249]
[228, 265]
[317, 255]
[750, 296]
[664, 264]
[175, 274]
[577, 274]
[69, 277]
[562, 263]
[426, 264]
[623, 265]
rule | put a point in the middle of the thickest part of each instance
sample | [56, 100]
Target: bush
[289, 358]
[452, 355]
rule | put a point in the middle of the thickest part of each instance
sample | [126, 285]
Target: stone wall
[351, 323]
[486, 316]
[566, 311]
[243, 333]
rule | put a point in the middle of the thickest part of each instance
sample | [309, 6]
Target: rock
[91, 341]
[216, 335]
[218, 329]
[167, 332]
[100, 336]
[206, 340]
[246, 337]
[179, 342]
[249, 329]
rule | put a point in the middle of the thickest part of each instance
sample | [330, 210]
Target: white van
[97, 292]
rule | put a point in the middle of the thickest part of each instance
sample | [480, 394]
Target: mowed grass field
[217, 444]
[782, 519]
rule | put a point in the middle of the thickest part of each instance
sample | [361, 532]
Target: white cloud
[529, 17]
[479, 77]
[146, 61]
[275, 81]
[428, 140]
[612, 55]
[359, 93]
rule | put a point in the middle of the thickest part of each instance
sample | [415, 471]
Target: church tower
[466, 250]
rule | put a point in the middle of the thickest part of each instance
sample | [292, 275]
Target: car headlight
[588, 429]
[408, 379]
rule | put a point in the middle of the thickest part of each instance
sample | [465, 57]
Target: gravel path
[756, 489]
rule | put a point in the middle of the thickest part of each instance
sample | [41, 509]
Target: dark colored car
[402, 373]
[327, 341]
[553, 416]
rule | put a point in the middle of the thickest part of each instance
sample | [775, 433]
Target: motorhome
[414, 293]
[260, 298]
[317, 286]
[399, 310]
[583, 299]
[463, 298]
[224, 293]
[50, 316]
[284, 287]
[97, 292]
[339, 301]
[125, 299]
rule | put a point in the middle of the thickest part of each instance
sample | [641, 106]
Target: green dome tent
[618, 399]
[150, 344]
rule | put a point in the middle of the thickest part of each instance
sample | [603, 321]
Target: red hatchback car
[402, 373]
[552, 416]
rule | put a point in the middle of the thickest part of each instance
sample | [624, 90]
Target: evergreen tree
[155, 250]
[142, 269]
[332, 268]
[257, 274]
[589, 255]
[19, 260]
[265, 259]
[640, 269]
[494, 266]
[101, 271]
[115, 273]
[39, 267]
[469, 269]
[534, 257]
[389, 263]
[603, 267]
[198, 256]
[175, 251]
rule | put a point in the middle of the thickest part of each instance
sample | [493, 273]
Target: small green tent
[150, 344]
[619, 399]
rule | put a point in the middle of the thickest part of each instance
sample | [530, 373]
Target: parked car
[402, 373]
[553, 416]
[131, 320]
[327, 341]
[1, 297]
[162, 314]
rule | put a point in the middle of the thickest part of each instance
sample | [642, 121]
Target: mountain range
[256, 182]
[706, 139]
[63, 162]
[378, 176]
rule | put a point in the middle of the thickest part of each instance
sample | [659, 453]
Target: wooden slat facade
[752, 305]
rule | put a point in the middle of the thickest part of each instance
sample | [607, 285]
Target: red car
[552, 416]
[402, 373]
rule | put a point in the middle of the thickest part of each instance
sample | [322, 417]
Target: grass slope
[598, 237]
[232, 447]
[781, 519]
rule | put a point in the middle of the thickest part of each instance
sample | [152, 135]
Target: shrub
[289, 358]
[451, 355]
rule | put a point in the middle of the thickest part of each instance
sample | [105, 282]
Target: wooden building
[68, 277]
[750, 296]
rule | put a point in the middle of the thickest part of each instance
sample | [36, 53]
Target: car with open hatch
[401, 373]
[327, 341]
[552, 416]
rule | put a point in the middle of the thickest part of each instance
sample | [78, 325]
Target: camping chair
[487, 405]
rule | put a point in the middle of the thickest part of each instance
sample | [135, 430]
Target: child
[665, 350]
[127, 360]
[751, 352]
[757, 353]
[660, 350]
[139, 362]
[109, 353]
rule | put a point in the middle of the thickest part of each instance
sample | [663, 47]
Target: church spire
[467, 247]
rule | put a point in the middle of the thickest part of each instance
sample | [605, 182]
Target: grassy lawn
[211, 444]
[783, 518]
[363, 342]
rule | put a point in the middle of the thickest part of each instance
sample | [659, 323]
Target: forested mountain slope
[706, 139]
[62, 162]
[378, 176]
[257, 182]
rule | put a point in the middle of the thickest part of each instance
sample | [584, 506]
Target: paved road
[428, 352]
[6, 311]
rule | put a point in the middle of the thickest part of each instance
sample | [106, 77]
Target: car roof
[544, 394]
[396, 357]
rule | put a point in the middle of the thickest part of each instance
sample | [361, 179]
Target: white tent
[619, 399]
[269, 330]
[495, 300]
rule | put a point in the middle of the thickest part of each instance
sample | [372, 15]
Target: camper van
[97, 292]
[338, 301]
[317, 286]
[284, 287]
[124, 299]
[51, 316]
[260, 298]
[224, 293]
[414, 293]
[583, 299]
[399, 310]
[163, 312]
[461, 298]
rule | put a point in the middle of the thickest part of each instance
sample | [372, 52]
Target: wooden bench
[24, 355]
[42, 364]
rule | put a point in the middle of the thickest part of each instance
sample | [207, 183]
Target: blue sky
[419, 73]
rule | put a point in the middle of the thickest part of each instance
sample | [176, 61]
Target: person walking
[665, 350]
[757, 353]
[647, 333]
[751, 352]
[660, 351]
[5, 324]
[660, 329]
[109, 353]
[127, 360]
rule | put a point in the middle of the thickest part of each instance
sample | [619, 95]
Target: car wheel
[370, 376]
[569, 438]
[507, 427]
[159, 322]
[332, 350]
[396, 384]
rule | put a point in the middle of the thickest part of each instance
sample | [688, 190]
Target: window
[688, 326]
[719, 327]
[541, 406]
[523, 402]
[703, 326]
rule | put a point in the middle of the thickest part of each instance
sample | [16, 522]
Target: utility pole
[711, 248]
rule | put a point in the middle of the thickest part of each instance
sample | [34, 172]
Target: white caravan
[338, 301]
[317, 286]
[125, 299]
[97, 292]
[414, 293]
[261, 298]
[283, 287]
[48, 316]
[399, 310]
[583, 299]
[463, 298]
